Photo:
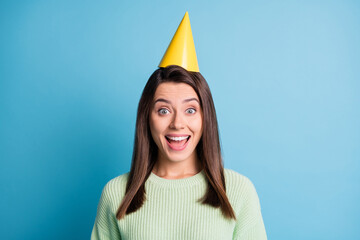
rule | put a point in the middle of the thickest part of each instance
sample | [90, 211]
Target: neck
[172, 170]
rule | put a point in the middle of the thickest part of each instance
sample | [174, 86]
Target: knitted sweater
[171, 212]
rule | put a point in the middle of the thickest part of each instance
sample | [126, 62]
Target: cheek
[153, 127]
[156, 125]
[196, 125]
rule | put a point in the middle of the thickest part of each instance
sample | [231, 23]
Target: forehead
[173, 90]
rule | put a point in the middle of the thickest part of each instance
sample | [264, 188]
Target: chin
[179, 158]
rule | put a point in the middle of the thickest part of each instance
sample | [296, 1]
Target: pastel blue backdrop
[284, 77]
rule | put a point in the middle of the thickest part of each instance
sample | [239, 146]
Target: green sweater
[171, 212]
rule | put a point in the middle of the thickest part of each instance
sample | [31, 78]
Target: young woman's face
[176, 112]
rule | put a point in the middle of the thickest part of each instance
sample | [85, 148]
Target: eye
[192, 110]
[162, 111]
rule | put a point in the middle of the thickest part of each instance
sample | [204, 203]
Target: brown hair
[145, 150]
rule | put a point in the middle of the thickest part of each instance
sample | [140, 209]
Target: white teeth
[177, 138]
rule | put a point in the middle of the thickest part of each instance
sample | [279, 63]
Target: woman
[177, 187]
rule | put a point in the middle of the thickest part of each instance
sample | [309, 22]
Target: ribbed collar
[178, 183]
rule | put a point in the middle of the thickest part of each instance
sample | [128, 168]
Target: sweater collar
[178, 183]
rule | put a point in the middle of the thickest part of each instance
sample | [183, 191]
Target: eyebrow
[184, 101]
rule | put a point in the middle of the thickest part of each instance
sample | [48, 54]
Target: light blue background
[285, 81]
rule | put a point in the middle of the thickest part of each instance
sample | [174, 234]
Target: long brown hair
[145, 150]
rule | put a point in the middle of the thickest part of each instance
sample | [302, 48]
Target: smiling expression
[176, 111]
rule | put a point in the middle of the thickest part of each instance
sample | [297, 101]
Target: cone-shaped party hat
[181, 50]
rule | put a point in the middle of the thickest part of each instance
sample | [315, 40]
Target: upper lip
[177, 135]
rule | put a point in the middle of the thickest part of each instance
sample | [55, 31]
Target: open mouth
[178, 140]
[177, 143]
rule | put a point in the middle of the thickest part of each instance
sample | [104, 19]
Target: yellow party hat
[181, 50]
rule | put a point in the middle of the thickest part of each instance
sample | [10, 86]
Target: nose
[177, 121]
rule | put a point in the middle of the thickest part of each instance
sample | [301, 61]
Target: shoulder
[114, 189]
[117, 182]
[239, 188]
[236, 180]
[244, 199]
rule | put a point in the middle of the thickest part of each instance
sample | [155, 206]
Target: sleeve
[249, 224]
[105, 226]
